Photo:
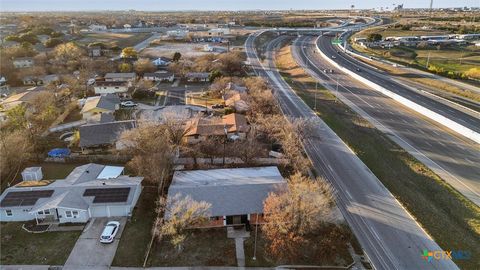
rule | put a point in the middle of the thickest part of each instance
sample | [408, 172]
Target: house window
[75, 213]
[8, 212]
[40, 212]
[116, 87]
[68, 214]
[46, 212]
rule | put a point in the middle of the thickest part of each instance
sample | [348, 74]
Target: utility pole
[428, 60]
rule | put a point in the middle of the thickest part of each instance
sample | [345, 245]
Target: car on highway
[109, 232]
[333, 57]
[358, 69]
[330, 70]
[128, 104]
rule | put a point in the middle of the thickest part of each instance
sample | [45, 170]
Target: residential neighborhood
[238, 135]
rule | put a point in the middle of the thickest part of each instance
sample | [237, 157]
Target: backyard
[21, 247]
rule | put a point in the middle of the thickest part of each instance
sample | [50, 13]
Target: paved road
[453, 157]
[368, 72]
[89, 252]
[389, 235]
[175, 97]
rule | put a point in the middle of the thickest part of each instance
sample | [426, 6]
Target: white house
[115, 87]
[197, 76]
[91, 190]
[160, 76]
[98, 27]
[162, 61]
[120, 77]
[23, 62]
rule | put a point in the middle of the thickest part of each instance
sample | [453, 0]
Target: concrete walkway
[239, 235]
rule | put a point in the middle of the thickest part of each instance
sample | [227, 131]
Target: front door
[237, 220]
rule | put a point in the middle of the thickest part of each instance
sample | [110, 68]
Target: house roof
[229, 191]
[129, 75]
[111, 83]
[159, 74]
[103, 133]
[216, 126]
[106, 102]
[70, 192]
[24, 97]
[198, 75]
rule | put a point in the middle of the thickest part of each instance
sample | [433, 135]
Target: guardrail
[451, 124]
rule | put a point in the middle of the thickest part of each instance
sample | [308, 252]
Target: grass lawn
[115, 39]
[21, 247]
[203, 247]
[451, 219]
[327, 248]
[136, 236]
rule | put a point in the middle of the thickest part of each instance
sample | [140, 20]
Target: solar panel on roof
[24, 198]
[104, 195]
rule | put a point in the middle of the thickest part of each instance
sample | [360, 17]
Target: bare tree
[16, 148]
[293, 213]
[181, 213]
[143, 65]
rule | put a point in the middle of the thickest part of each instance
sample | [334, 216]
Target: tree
[230, 64]
[292, 214]
[16, 149]
[52, 42]
[214, 75]
[143, 65]
[125, 67]
[17, 117]
[473, 73]
[176, 56]
[181, 213]
[129, 52]
[68, 55]
[374, 37]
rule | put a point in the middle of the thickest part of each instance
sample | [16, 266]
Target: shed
[32, 174]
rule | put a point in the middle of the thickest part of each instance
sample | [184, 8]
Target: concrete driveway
[88, 251]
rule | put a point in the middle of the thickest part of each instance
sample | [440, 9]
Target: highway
[368, 72]
[453, 157]
[389, 235]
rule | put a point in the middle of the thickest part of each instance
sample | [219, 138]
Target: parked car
[109, 232]
[218, 106]
[330, 70]
[365, 262]
[128, 104]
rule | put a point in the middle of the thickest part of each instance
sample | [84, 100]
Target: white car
[109, 232]
[128, 104]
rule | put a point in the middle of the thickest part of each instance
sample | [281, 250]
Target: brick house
[236, 195]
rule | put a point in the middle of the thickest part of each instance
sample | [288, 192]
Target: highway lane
[389, 235]
[453, 157]
[467, 120]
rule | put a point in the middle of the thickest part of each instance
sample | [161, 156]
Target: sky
[166, 5]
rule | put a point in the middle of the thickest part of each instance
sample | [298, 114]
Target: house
[23, 98]
[160, 76]
[89, 191]
[97, 27]
[101, 135]
[236, 196]
[115, 87]
[162, 61]
[4, 88]
[96, 107]
[233, 126]
[120, 77]
[23, 62]
[236, 100]
[197, 76]
[95, 51]
[40, 80]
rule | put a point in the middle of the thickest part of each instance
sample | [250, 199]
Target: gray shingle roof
[109, 102]
[103, 133]
[229, 191]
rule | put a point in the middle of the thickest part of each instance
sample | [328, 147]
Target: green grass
[203, 247]
[21, 247]
[137, 234]
[451, 219]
